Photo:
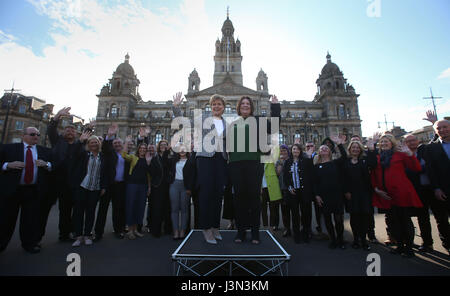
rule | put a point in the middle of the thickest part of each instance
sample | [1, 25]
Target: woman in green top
[246, 169]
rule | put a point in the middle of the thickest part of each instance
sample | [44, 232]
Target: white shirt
[179, 169]
[218, 123]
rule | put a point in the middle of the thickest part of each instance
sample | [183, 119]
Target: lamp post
[307, 118]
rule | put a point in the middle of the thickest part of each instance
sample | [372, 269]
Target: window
[1, 121]
[341, 111]
[297, 136]
[281, 138]
[263, 112]
[223, 68]
[232, 68]
[114, 110]
[22, 109]
[45, 115]
[228, 109]
[208, 108]
[19, 125]
[158, 137]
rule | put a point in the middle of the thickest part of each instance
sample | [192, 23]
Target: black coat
[110, 158]
[10, 179]
[413, 176]
[305, 171]
[438, 167]
[79, 168]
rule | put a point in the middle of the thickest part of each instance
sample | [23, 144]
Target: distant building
[26, 111]
[334, 109]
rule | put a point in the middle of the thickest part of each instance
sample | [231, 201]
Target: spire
[127, 58]
[228, 12]
[328, 57]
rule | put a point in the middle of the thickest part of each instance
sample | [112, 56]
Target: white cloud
[445, 74]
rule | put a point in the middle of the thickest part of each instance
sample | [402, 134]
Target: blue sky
[391, 60]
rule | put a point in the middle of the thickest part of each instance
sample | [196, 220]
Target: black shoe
[32, 250]
[98, 238]
[355, 245]
[65, 238]
[408, 253]
[319, 229]
[332, 245]
[274, 228]
[2, 248]
[120, 235]
[287, 233]
[425, 248]
[240, 237]
[397, 250]
[341, 245]
[297, 239]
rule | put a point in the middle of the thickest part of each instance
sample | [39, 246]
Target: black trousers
[359, 223]
[25, 199]
[246, 177]
[65, 205]
[115, 195]
[285, 210]
[160, 210]
[85, 203]
[336, 231]
[371, 226]
[440, 211]
[211, 179]
[298, 202]
[272, 206]
[402, 226]
[318, 214]
[46, 203]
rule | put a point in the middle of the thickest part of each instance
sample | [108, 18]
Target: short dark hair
[238, 105]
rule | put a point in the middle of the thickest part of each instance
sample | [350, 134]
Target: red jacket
[397, 184]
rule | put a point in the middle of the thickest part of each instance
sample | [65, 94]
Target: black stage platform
[195, 256]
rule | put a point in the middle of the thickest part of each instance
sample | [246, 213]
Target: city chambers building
[334, 109]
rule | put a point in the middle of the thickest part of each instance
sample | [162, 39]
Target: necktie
[29, 167]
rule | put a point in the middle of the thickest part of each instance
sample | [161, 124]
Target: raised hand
[85, 135]
[128, 139]
[297, 141]
[177, 99]
[63, 112]
[338, 139]
[431, 117]
[309, 151]
[113, 129]
[376, 136]
[403, 148]
[274, 99]
[370, 144]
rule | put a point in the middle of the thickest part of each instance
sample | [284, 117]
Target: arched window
[114, 110]
[232, 68]
[158, 137]
[261, 87]
[341, 111]
[297, 136]
[223, 68]
[208, 108]
[228, 109]
[337, 84]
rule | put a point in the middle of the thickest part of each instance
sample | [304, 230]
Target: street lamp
[307, 118]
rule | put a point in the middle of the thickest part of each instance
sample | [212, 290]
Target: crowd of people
[86, 174]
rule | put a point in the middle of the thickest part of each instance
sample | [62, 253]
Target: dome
[330, 68]
[227, 28]
[125, 68]
[194, 73]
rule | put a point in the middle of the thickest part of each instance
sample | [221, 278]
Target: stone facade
[334, 109]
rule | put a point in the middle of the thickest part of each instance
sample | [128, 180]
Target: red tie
[29, 166]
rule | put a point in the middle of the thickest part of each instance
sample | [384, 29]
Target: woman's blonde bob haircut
[361, 146]
[391, 139]
[215, 98]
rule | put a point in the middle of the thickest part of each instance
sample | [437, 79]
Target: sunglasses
[34, 134]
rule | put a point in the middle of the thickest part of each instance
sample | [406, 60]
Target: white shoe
[217, 235]
[130, 235]
[78, 242]
[87, 241]
[138, 234]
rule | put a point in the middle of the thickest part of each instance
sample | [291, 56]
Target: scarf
[385, 158]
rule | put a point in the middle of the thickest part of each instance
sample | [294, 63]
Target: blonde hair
[318, 158]
[391, 139]
[93, 137]
[215, 98]
[361, 146]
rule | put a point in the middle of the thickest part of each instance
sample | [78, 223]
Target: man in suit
[24, 182]
[423, 188]
[63, 150]
[116, 170]
[437, 157]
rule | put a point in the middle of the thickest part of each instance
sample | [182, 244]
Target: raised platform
[195, 256]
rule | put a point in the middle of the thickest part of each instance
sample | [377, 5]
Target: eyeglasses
[309, 146]
[34, 134]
